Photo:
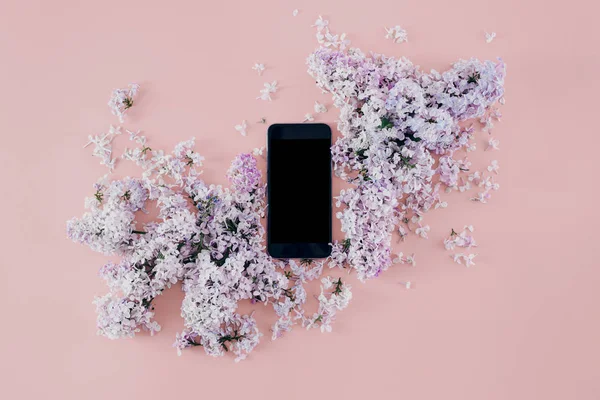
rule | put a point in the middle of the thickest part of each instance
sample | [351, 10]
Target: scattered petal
[241, 128]
[265, 93]
[422, 231]
[320, 108]
[397, 34]
[493, 144]
[321, 23]
[259, 68]
[493, 167]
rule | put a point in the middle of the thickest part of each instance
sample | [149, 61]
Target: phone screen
[299, 191]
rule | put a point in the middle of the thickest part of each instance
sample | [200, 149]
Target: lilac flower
[493, 167]
[335, 295]
[460, 239]
[320, 108]
[108, 227]
[459, 258]
[343, 43]
[482, 197]
[258, 151]
[422, 231]
[407, 285]
[241, 128]
[401, 259]
[122, 100]
[103, 146]
[396, 120]
[493, 144]
[397, 34]
[321, 23]
[258, 67]
[122, 317]
[244, 174]
[265, 93]
[185, 340]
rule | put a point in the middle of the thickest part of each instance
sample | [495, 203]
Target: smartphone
[299, 190]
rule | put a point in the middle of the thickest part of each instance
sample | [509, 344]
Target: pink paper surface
[522, 324]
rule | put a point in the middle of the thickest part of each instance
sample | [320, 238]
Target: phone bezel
[289, 132]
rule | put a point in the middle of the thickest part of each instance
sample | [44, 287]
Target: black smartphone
[299, 190]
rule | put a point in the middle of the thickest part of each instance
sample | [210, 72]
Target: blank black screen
[300, 194]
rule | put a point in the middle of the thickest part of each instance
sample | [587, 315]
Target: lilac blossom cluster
[209, 238]
[401, 132]
[121, 100]
[464, 240]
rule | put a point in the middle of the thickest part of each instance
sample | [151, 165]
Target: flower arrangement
[402, 133]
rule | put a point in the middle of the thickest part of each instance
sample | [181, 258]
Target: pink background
[522, 324]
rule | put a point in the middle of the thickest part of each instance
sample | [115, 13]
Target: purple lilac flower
[400, 129]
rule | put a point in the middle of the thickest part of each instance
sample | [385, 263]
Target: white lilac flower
[343, 43]
[271, 87]
[493, 144]
[402, 259]
[265, 93]
[241, 128]
[402, 232]
[320, 108]
[488, 183]
[258, 67]
[422, 231]
[482, 197]
[103, 146]
[441, 204]
[407, 285]
[122, 317]
[493, 167]
[460, 239]
[122, 100]
[459, 258]
[475, 177]
[307, 270]
[335, 296]
[329, 39]
[320, 23]
[489, 37]
[488, 118]
[466, 185]
[397, 34]
[136, 137]
[308, 118]
[495, 113]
